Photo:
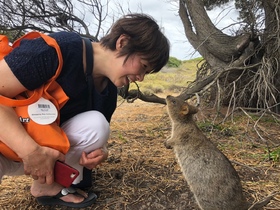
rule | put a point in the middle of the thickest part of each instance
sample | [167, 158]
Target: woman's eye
[144, 66]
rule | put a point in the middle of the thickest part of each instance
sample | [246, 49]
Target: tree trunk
[206, 38]
[242, 70]
[271, 65]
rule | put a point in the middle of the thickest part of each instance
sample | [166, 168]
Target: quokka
[208, 172]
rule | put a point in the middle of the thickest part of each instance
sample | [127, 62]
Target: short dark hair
[145, 38]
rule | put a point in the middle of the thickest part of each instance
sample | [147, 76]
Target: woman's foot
[39, 190]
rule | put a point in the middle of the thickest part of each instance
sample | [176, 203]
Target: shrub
[174, 62]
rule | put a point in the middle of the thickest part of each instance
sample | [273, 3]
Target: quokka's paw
[167, 146]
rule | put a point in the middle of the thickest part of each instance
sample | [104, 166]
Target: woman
[134, 47]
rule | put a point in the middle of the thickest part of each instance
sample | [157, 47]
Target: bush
[174, 62]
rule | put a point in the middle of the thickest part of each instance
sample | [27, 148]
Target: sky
[166, 15]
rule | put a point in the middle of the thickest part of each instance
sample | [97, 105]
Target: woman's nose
[140, 77]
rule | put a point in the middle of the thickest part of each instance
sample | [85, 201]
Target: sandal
[55, 200]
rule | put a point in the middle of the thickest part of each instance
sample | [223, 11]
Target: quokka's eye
[173, 102]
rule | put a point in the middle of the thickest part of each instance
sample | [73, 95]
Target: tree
[18, 16]
[244, 72]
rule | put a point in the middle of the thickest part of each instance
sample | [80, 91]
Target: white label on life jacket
[42, 112]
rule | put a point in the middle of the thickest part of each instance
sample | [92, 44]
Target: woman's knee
[97, 127]
[89, 129]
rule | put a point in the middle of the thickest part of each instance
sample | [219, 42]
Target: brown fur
[208, 172]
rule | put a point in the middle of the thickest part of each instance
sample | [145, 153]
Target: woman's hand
[38, 161]
[40, 164]
[94, 158]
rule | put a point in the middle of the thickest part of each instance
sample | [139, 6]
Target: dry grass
[141, 174]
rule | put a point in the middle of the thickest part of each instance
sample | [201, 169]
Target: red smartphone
[64, 174]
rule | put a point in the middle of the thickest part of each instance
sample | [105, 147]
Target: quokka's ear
[185, 109]
[188, 109]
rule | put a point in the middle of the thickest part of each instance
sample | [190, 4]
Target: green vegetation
[264, 119]
[174, 62]
[223, 129]
[172, 79]
[274, 155]
[208, 126]
[191, 64]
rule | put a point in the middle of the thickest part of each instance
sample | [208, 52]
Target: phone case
[64, 174]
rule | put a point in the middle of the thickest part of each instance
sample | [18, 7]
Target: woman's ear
[122, 41]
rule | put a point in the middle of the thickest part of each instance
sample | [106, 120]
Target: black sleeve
[33, 62]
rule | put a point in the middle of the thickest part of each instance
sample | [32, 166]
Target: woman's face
[134, 69]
